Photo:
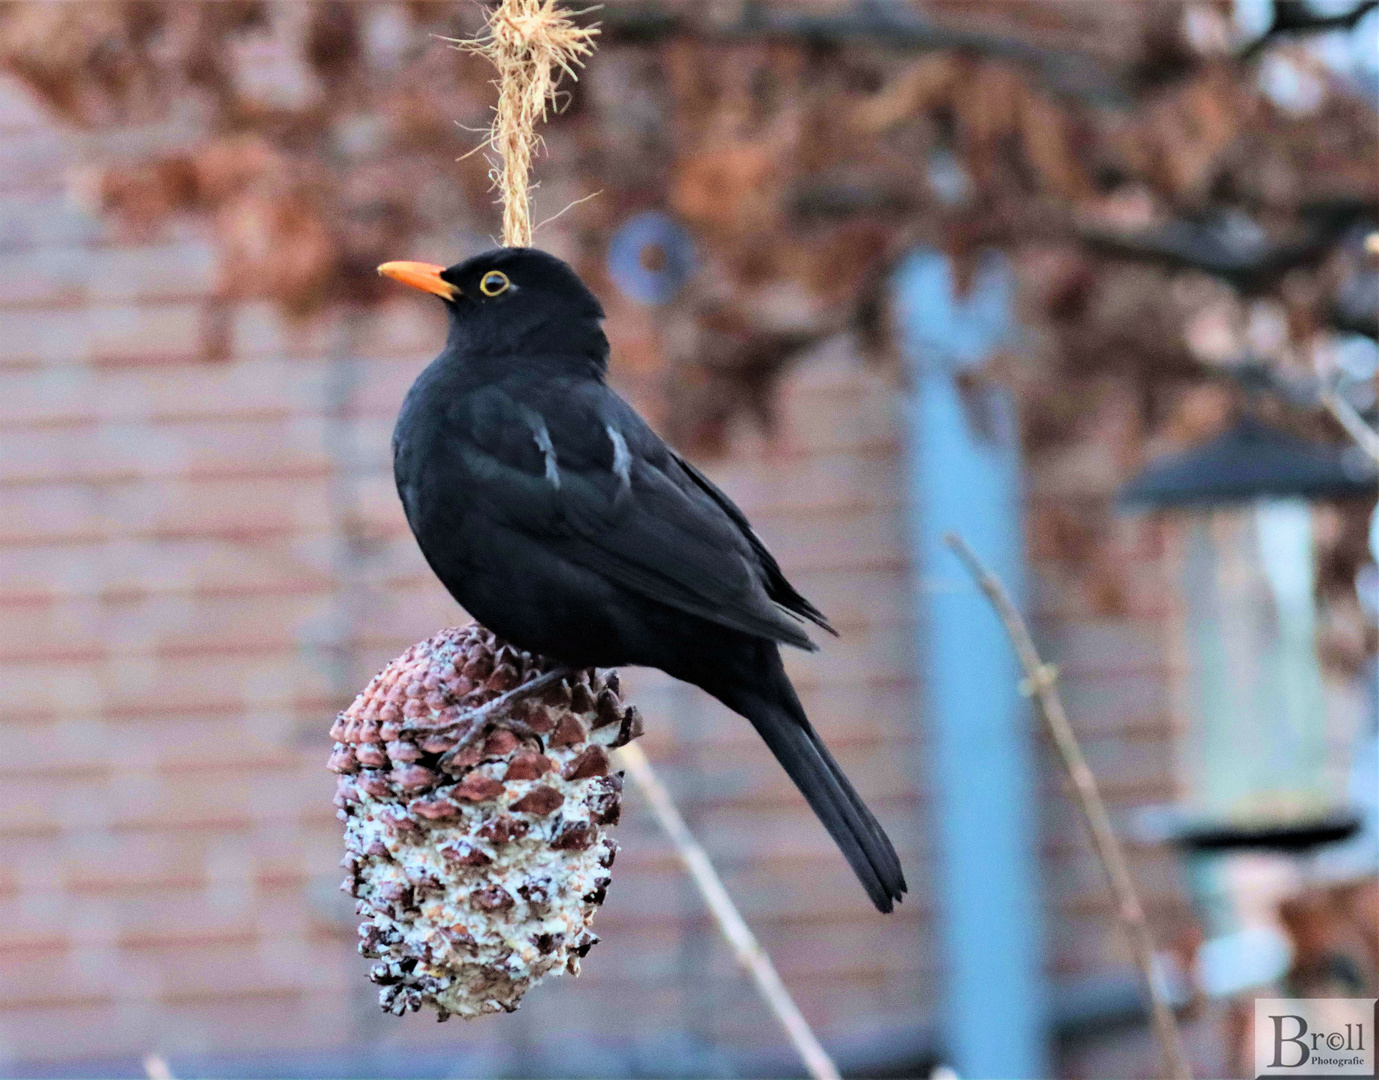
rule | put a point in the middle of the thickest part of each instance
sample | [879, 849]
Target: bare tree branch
[1041, 683]
[1296, 17]
[1366, 438]
[735, 930]
[1232, 247]
[887, 23]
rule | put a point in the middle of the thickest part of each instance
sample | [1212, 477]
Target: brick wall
[201, 560]
[1103, 609]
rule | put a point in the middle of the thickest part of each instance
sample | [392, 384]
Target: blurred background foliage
[1177, 196]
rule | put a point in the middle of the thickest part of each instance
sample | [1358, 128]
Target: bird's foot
[475, 717]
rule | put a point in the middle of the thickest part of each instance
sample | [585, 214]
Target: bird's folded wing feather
[605, 493]
[779, 589]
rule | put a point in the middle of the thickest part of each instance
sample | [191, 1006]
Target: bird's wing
[575, 465]
[779, 589]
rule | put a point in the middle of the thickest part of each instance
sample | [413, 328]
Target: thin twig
[1041, 683]
[745, 946]
[1366, 438]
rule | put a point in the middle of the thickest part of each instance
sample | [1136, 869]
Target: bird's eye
[493, 283]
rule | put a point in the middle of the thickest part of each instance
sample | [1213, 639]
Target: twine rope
[533, 44]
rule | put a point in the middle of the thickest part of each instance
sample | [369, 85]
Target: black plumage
[558, 519]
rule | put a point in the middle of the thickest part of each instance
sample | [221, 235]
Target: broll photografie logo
[1315, 1037]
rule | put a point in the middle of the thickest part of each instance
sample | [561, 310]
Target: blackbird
[557, 518]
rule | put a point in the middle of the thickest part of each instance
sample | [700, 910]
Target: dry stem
[749, 952]
[1366, 438]
[1041, 683]
[532, 43]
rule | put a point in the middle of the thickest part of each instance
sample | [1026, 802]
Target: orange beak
[421, 276]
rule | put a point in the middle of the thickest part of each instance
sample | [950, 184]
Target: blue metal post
[964, 476]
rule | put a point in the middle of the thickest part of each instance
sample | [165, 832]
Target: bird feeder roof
[1249, 461]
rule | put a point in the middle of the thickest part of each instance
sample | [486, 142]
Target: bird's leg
[475, 717]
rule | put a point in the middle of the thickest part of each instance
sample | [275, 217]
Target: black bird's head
[512, 300]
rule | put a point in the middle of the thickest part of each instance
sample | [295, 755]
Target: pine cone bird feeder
[476, 845]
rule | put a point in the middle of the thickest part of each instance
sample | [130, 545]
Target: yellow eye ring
[493, 283]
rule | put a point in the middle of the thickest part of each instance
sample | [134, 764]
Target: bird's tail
[774, 709]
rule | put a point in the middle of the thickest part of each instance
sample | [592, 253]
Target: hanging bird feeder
[1259, 759]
